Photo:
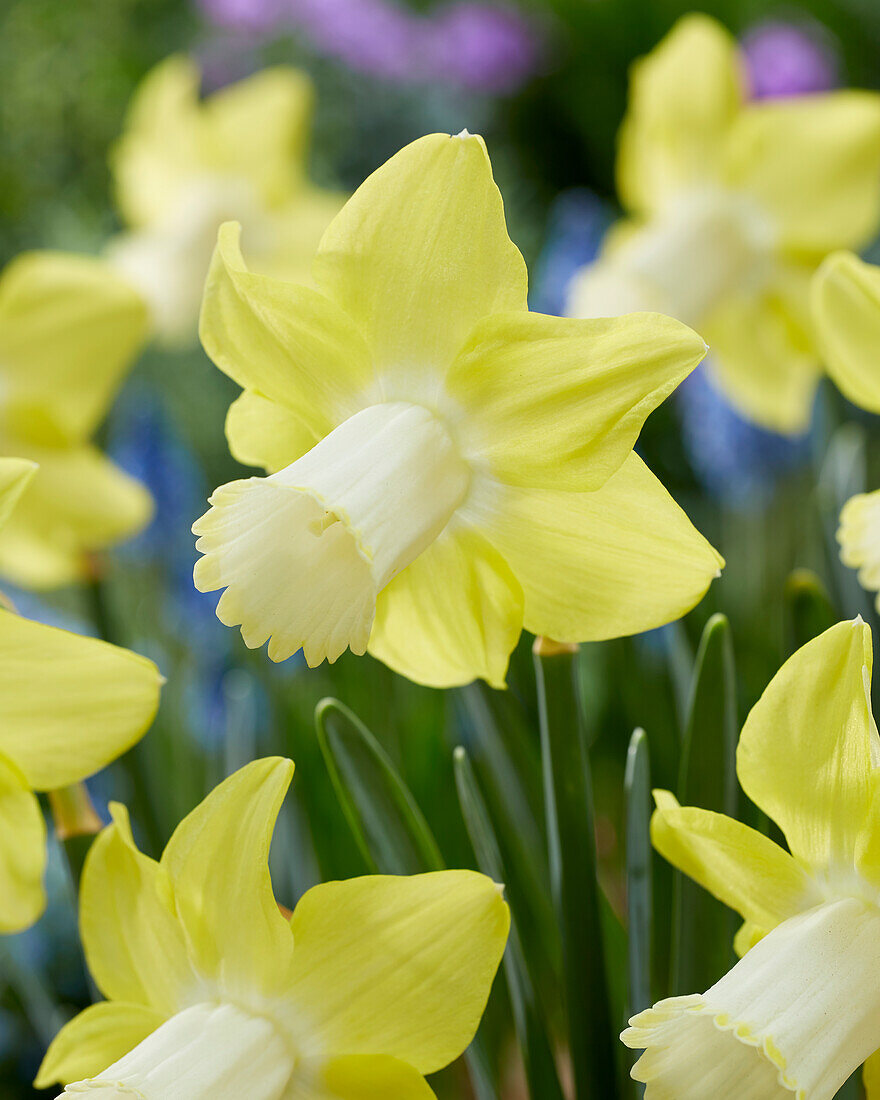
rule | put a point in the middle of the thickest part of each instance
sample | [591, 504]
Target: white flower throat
[795, 1017]
[337, 525]
[707, 245]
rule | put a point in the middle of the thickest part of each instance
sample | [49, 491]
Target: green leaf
[703, 928]
[572, 850]
[808, 609]
[522, 982]
[639, 884]
[386, 822]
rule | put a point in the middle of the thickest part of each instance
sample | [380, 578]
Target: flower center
[208, 1050]
[797, 1015]
[304, 554]
[706, 246]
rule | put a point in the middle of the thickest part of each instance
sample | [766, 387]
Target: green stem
[573, 861]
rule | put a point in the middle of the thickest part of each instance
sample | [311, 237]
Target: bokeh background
[545, 83]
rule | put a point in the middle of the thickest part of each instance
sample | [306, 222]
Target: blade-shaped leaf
[703, 928]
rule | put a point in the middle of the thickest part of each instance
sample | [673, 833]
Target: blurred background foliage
[548, 100]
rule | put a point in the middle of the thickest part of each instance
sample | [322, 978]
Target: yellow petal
[846, 311]
[617, 561]
[297, 229]
[762, 354]
[420, 253]
[258, 128]
[400, 966]
[747, 935]
[871, 1077]
[812, 162]
[558, 402]
[134, 943]
[218, 862]
[738, 865]
[261, 432]
[288, 342]
[454, 615]
[78, 502]
[859, 538]
[15, 476]
[95, 1039]
[161, 145]
[22, 851]
[69, 329]
[68, 704]
[683, 98]
[366, 1077]
[812, 731]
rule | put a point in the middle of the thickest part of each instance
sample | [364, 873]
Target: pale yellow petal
[15, 476]
[683, 98]
[846, 312]
[762, 355]
[617, 561]
[262, 432]
[420, 253]
[552, 401]
[747, 935]
[359, 1077]
[454, 615]
[400, 966]
[69, 704]
[218, 862]
[78, 502]
[809, 747]
[22, 851]
[812, 162]
[70, 328]
[134, 943]
[95, 1039]
[740, 866]
[859, 538]
[288, 342]
[297, 229]
[258, 129]
[161, 145]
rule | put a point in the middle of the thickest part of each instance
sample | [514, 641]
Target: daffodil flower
[800, 1012]
[846, 312]
[69, 329]
[445, 467]
[184, 166]
[213, 993]
[731, 206]
[68, 706]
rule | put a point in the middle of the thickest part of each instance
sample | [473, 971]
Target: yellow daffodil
[213, 993]
[800, 1012]
[731, 205]
[446, 467]
[184, 166]
[69, 329]
[68, 706]
[846, 312]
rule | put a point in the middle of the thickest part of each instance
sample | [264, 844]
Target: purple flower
[484, 47]
[786, 59]
[251, 15]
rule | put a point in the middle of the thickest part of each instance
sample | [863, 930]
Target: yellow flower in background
[213, 993]
[731, 206]
[68, 706]
[446, 467]
[69, 330]
[800, 1012]
[846, 313]
[184, 166]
